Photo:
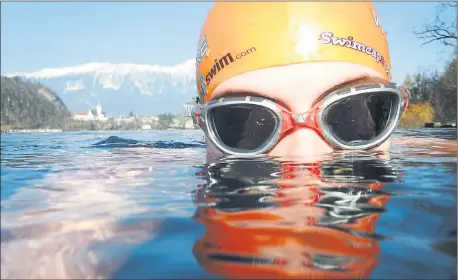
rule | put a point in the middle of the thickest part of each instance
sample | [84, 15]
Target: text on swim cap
[329, 38]
[224, 61]
[201, 50]
[203, 86]
[377, 21]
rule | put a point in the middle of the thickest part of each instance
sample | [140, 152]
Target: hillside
[27, 105]
[120, 88]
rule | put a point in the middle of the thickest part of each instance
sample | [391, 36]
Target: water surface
[143, 204]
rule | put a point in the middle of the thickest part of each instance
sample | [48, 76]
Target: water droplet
[261, 122]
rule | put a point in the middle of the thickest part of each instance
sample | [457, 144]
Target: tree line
[164, 121]
[433, 94]
[433, 97]
[27, 105]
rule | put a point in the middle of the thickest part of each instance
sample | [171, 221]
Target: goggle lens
[243, 127]
[361, 118]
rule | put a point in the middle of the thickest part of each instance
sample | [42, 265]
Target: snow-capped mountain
[120, 88]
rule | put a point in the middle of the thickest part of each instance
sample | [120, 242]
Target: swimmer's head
[239, 37]
[295, 54]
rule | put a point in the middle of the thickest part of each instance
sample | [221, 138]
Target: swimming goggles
[353, 118]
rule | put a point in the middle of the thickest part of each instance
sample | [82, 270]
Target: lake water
[145, 204]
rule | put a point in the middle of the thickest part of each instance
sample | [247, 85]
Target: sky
[56, 34]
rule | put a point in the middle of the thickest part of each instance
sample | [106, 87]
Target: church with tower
[92, 115]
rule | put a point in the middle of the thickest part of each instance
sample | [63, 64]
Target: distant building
[146, 126]
[189, 124]
[92, 115]
[150, 120]
[175, 123]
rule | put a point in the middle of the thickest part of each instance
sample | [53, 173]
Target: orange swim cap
[239, 37]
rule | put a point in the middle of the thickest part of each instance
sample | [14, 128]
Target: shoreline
[43, 130]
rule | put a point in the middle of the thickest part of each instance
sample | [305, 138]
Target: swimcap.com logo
[219, 65]
[225, 61]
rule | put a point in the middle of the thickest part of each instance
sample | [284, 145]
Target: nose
[303, 143]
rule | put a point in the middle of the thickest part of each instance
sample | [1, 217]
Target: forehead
[298, 85]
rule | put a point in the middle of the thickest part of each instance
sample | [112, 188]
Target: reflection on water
[146, 205]
[264, 218]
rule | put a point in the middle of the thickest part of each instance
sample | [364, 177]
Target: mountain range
[120, 88]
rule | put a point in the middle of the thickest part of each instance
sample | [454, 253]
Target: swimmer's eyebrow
[359, 80]
[240, 93]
